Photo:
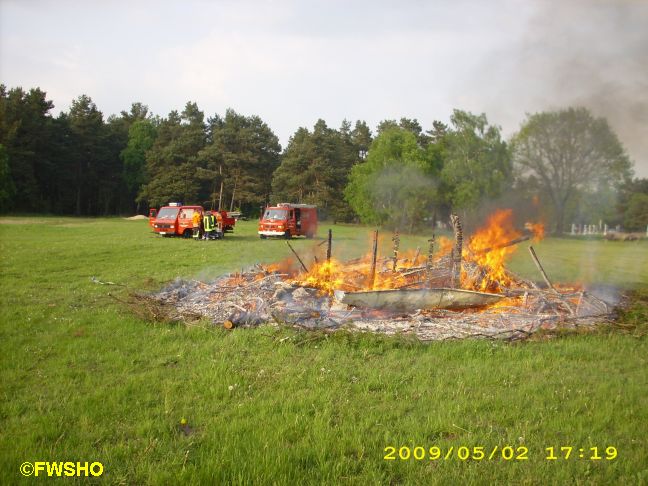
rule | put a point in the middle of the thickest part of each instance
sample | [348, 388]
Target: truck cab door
[298, 223]
[152, 215]
[291, 220]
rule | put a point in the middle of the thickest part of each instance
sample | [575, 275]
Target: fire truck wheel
[263, 237]
[287, 235]
[187, 234]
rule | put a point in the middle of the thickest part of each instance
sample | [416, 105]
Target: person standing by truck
[196, 224]
[209, 225]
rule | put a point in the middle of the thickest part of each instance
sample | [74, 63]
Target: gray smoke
[590, 53]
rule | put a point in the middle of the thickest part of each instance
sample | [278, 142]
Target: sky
[292, 62]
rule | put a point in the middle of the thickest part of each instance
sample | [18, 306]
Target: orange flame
[538, 230]
[489, 248]
[483, 250]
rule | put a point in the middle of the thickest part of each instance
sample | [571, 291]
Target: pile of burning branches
[452, 290]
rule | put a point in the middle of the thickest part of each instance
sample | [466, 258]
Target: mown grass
[84, 379]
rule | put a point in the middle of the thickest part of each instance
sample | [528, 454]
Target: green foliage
[88, 153]
[627, 190]
[190, 161]
[242, 154]
[568, 151]
[25, 133]
[395, 185]
[636, 217]
[7, 188]
[412, 125]
[409, 176]
[81, 163]
[477, 162]
[361, 138]
[172, 161]
[315, 167]
[141, 136]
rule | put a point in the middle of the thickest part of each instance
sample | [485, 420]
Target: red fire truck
[177, 220]
[288, 220]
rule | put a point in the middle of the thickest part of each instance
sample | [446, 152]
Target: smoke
[403, 195]
[590, 53]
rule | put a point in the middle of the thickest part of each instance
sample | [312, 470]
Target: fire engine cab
[288, 220]
[177, 219]
[174, 219]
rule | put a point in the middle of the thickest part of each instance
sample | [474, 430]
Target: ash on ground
[258, 297]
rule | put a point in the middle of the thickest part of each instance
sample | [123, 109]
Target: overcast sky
[292, 62]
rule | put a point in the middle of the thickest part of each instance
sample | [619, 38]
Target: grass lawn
[83, 379]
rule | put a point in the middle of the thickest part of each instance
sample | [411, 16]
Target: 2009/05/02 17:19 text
[506, 453]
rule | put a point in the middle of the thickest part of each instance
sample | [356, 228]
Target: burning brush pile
[453, 289]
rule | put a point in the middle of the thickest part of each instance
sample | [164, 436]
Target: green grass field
[83, 379]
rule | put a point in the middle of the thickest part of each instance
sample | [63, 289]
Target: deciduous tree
[396, 184]
[477, 161]
[567, 151]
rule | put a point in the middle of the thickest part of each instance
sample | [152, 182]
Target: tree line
[83, 163]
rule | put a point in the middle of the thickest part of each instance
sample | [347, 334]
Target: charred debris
[454, 290]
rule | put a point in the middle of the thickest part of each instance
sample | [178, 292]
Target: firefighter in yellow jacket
[196, 224]
[209, 224]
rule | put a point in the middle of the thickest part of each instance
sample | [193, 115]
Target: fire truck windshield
[168, 213]
[275, 214]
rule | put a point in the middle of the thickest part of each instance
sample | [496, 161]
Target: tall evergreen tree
[141, 137]
[315, 168]
[89, 153]
[25, 131]
[7, 188]
[172, 161]
[361, 138]
[242, 155]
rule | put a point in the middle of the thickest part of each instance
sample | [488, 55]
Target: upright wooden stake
[297, 256]
[457, 250]
[330, 244]
[416, 255]
[233, 192]
[374, 258]
[428, 262]
[542, 272]
[396, 241]
[220, 194]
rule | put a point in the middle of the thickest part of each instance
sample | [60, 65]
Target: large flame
[483, 250]
[489, 248]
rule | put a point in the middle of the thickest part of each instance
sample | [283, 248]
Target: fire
[326, 276]
[488, 248]
[486, 251]
[445, 245]
[287, 265]
[357, 275]
[333, 275]
[483, 250]
[538, 230]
